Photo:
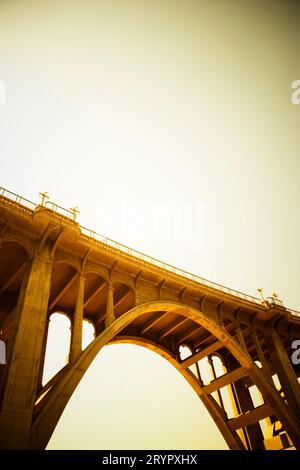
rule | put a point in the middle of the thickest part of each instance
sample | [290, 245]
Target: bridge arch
[58, 396]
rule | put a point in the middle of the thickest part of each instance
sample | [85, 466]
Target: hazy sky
[173, 104]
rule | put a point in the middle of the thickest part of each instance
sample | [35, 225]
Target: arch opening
[130, 385]
[88, 333]
[62, 392]
[58, 345]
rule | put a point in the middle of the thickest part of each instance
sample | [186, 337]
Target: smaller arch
[88, 332]
[184, 351]
[120, 279]
[68, 262]
[13, 241]
[58, 344]
[219, 364]
[13, 257]
[60, 312]
[205, 370]
[100, 274]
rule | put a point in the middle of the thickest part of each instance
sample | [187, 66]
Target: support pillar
[137, 294]
[23, 368]
[214, 376]
[12, 334]
[253, 433]
[240, 337]
[261, 356]
[76, 329]
[43, 356]
[110, 314]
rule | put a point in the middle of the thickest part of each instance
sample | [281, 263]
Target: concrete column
[286, 374]
[76, 329]
[110, 314]
[43, 356]
[13, 329]
[261, 356]
[137, 294]
[138, 299]
[22, 374]
[214, 376]
[16, 313]
[253, 434]
[240, 337]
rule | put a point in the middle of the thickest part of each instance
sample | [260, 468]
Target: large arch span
[241, 431]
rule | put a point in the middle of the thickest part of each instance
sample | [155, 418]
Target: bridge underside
[239, 350]
[226, 393]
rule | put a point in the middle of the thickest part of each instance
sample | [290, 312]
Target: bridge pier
[22, 370]
[110, 314]
[43, 355]
[76, 328]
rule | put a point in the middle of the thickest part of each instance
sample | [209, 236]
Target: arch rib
[46, 421]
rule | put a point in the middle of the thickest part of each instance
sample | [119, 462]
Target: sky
[138, 110]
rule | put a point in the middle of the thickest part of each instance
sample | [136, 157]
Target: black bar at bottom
[137, 458]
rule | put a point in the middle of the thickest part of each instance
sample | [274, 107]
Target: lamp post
[43, 197]
[74, 211]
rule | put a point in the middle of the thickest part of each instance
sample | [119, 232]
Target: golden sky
[161, 104]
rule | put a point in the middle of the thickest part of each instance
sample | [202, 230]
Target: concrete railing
[161, 264]
[131, 251]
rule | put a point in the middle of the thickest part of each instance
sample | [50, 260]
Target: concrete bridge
[49, 263]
